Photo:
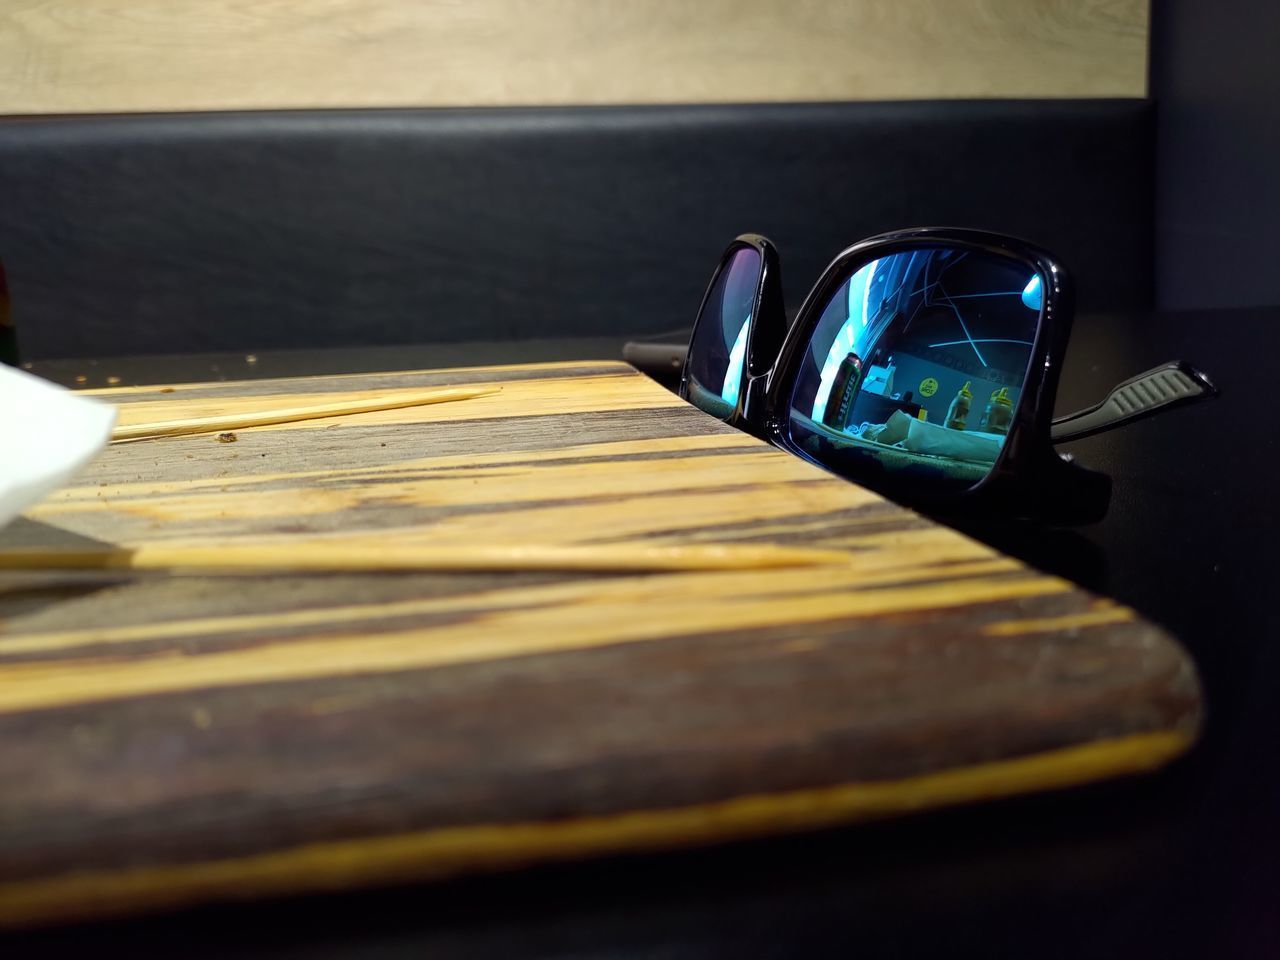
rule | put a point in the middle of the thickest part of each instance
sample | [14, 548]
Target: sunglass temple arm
[1161, 388]
[661, 359]
[1158, 389]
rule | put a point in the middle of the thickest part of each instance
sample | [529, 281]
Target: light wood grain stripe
[98, 640]
[1103, 613]
[589, 615]
[408, 468]
[178, 393]
[427, 513]
[507, 400]
[499, 486]
[280, 415]
[430, 854]
[241, 559]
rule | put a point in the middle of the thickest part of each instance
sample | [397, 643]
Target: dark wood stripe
[906, 583]
[212, 643]
[267, 451]
[155, 595]
[811, 529]
[156, 599]
[25, 594]
[394, 472]
[374, 514]
[567, 461]
[223, 641]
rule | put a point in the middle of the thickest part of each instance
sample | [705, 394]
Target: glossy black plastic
[766, 328]
[1029, 478]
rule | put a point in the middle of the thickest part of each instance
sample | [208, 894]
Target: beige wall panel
[127, 55]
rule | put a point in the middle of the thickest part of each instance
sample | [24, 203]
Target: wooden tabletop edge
[441, 853]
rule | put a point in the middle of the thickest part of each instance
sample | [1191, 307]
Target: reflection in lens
[915, 367]
[719, 349]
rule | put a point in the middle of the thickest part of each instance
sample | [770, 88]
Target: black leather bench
[241, 231]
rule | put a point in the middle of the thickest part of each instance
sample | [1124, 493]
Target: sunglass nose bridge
[753, 401]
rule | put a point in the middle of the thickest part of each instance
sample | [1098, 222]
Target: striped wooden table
[173, 738]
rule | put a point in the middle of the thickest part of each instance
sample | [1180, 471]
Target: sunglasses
[923, 364]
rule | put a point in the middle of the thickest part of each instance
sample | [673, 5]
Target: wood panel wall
[66, 56]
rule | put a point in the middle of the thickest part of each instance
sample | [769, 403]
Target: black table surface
[1184, 863]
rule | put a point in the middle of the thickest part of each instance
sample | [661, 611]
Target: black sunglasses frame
[1029, 477]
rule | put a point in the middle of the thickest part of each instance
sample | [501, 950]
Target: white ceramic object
[47, 435]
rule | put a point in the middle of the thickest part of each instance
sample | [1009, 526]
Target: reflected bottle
[999, 413]
[958, 412]
[843, 391]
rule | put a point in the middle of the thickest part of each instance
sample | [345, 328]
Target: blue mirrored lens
[718, 352]
[915, 369]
